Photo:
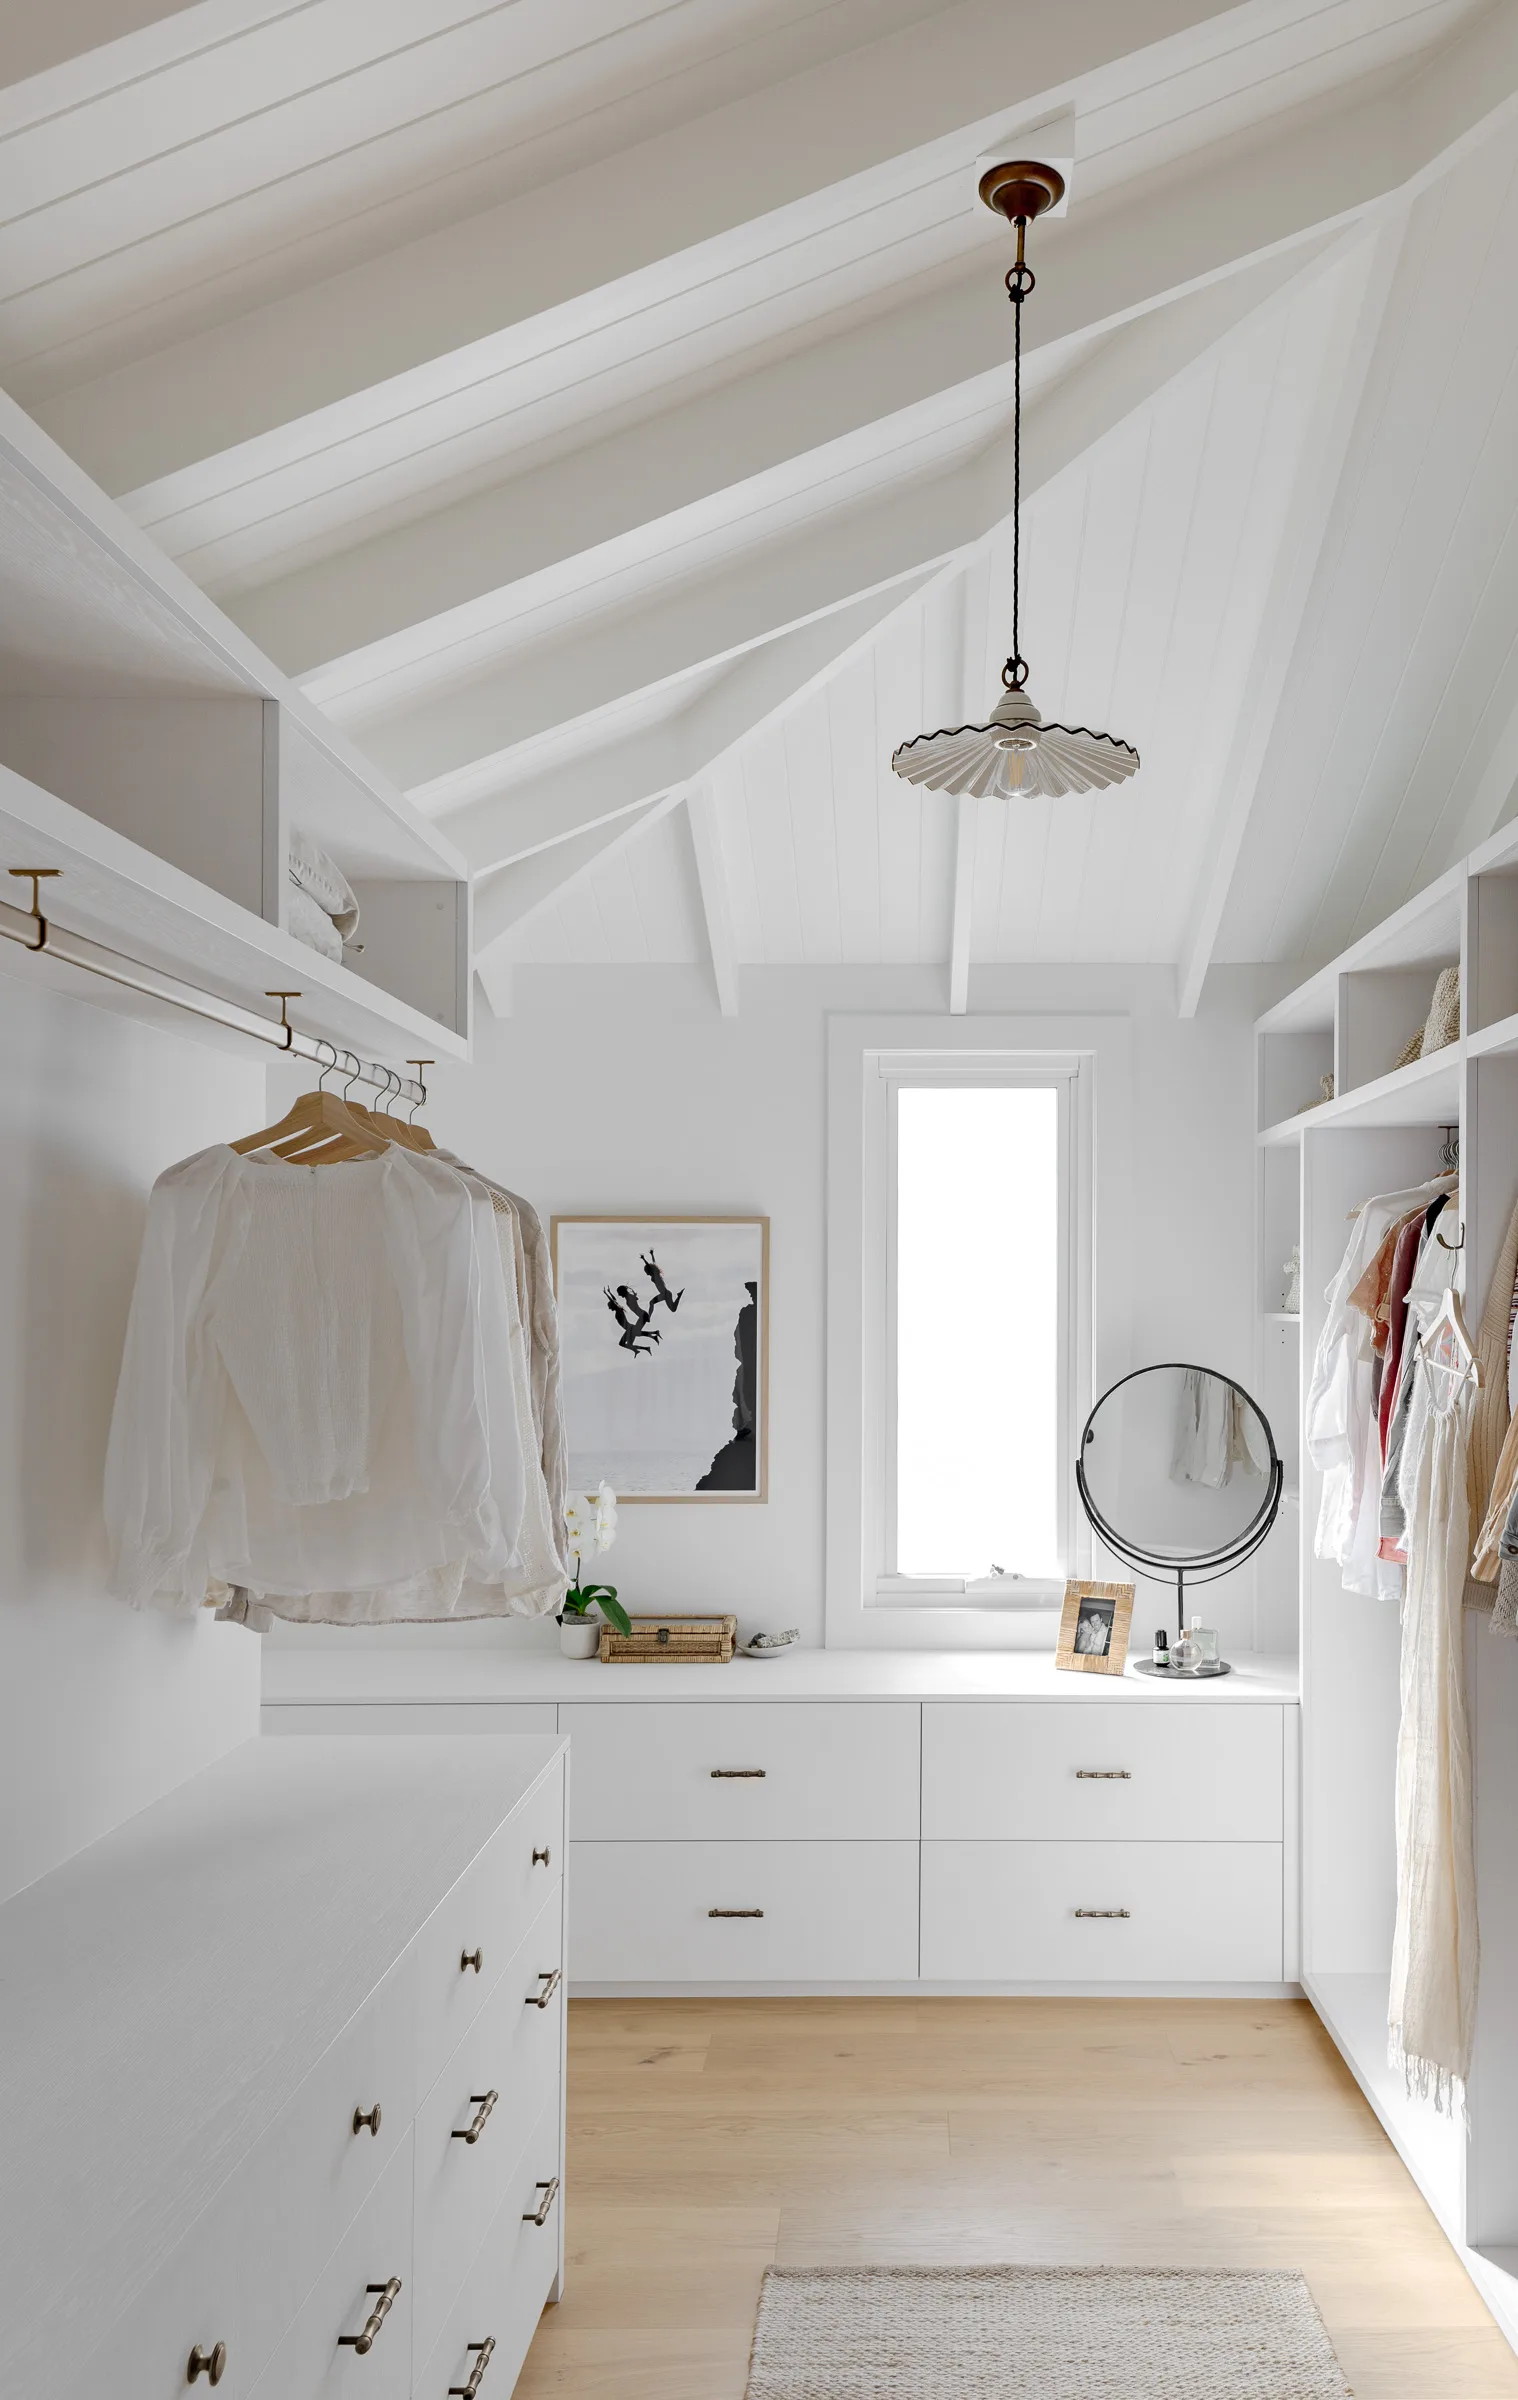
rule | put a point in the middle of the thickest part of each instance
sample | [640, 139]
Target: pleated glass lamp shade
[1015, 753]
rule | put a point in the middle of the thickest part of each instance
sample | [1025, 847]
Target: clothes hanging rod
[32, 930]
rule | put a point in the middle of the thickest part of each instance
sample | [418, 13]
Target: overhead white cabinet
[281, 2080]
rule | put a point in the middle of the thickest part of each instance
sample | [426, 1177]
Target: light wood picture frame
[664, 1356]
[1092, 1610]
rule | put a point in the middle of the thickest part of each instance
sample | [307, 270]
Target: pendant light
[1016, 752]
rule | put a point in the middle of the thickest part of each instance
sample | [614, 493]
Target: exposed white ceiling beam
[1303, 531]
[711, 875]
[970, 627]
[782, 158]
[493, 700]
[421, 468]
[497, 813]
[508, 894]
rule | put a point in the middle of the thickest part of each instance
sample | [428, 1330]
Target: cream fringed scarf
[1434, 1951]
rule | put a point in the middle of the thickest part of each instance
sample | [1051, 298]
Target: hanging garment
[319, 1412]
[534, 1271]
[1433, 1272]
[1493, 1469]
[1341, 1429]
[1216, 1430]
[1431, 2012]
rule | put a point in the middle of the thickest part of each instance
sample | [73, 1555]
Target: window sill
[990, 1594]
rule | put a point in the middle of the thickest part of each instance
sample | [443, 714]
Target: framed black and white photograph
[664, 1355]
[1094, 1626]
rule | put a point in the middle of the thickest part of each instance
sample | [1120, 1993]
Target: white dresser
[282, 2083]
[839, 1820]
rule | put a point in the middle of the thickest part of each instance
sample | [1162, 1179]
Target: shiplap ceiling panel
[600, 403]
[638, 904]
[1407, 643]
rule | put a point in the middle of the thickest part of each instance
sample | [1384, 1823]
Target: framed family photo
[1093, 1628]
[664, 1355]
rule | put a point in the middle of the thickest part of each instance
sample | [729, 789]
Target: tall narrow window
[977, 1347]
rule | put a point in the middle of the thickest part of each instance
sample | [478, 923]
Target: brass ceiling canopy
[1022, 188]
[1016, 752]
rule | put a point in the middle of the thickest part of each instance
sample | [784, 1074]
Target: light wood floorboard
[710, 2138]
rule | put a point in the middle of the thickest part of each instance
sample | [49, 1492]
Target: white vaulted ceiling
[603, 408]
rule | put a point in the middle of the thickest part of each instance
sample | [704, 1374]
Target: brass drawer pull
[466, 2391]
[548, 1977]
[363, 2343]
[735, 1912]
[738, 1774]
[471, 1958]
[210, 2363]
[1100, 1912]
[369, 2117]
[1104, 1774]
[542, 1858]
[539, 2215]
[482, 2104]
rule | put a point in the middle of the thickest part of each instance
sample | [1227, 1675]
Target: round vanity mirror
[1179, 1474]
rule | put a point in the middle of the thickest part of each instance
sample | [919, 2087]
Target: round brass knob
[471, 1958]
[369, 2117]
[210, 2363]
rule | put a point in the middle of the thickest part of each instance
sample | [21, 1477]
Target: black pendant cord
[1020, 281]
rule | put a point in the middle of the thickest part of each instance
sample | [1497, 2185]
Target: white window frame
[868, 1603]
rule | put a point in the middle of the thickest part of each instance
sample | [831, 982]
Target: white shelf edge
[1281, 1316]
[129, 898]
[1378, 949]
[1493, 1041]
[65, 486]
[1364, 1105]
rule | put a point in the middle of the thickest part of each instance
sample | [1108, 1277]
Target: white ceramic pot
[580, 1637]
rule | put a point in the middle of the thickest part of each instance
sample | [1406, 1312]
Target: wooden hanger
[400, 1129]
[320, 1129]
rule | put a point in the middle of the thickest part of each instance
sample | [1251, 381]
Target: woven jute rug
[1039, 2333]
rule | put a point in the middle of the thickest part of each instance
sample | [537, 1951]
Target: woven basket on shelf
[671, 1641]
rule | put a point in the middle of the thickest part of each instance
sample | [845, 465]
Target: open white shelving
[154, 757]
[1385, 1128]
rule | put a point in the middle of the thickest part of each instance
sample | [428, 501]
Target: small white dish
[752, 1649]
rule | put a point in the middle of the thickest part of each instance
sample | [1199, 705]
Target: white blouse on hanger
[321, 1405]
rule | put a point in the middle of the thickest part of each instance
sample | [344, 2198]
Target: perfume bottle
[1202, 1644]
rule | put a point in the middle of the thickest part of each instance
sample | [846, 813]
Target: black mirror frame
[1203, 1566]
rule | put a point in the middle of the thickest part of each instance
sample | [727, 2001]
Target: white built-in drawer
[1102, 1770]
[497, 1719]
[743, 1771]
[1101, 1912]
[791, 1912]
[496, 2084]
[485, 1915]
[316, 2167]
[314, 2362]
[199, 2299]
[503, 2291]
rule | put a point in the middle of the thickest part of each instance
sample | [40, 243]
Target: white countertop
[295, 1677]
[165, 1992]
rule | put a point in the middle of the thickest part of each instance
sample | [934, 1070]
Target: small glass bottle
[1162, 1649]
[1183, 1651]
[1203, 1642]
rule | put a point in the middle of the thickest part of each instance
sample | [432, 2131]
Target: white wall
[101, 1710]
[623, 1089]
